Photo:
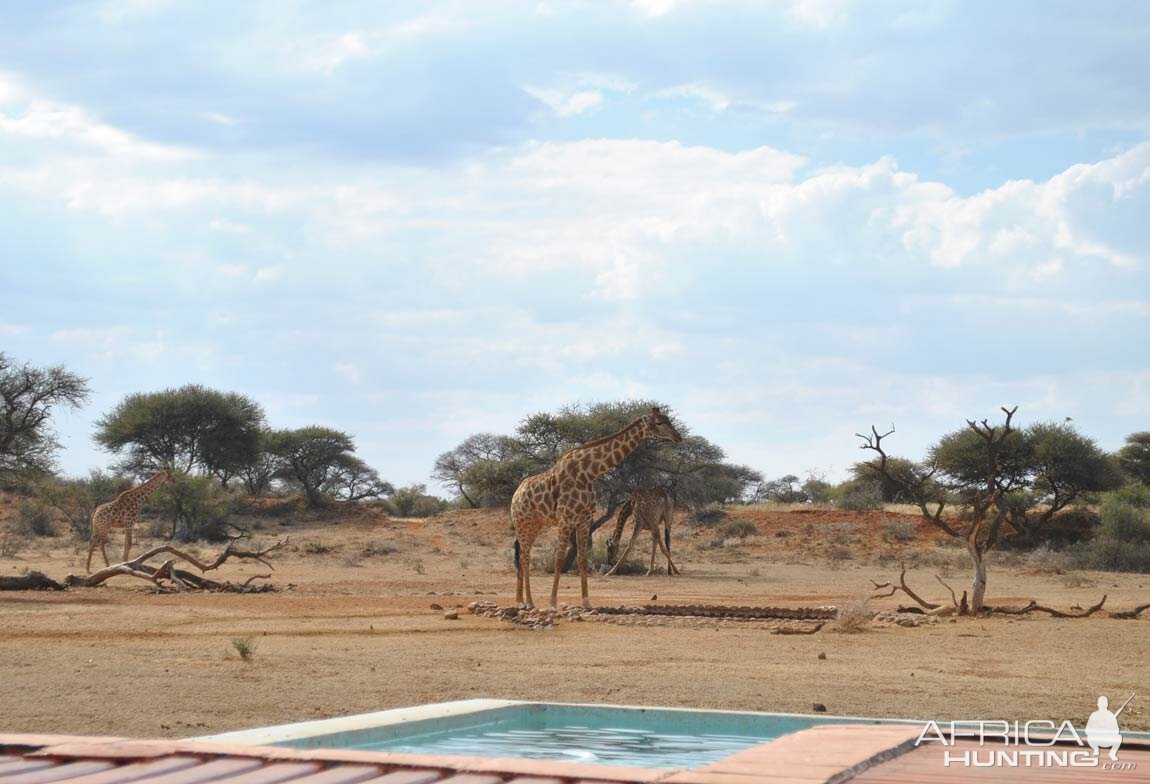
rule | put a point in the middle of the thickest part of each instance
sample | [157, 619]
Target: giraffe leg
[525, 554]
[654, 545]
[525, 539]
[583, 544]
[127, 542]
[91, 549]
[560, 556]
[671, 568]
[668, 517]
[518, 571]
[617, 534]
[626, 550]
[104, 551]
[523, 574]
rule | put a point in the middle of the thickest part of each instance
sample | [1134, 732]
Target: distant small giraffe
[650, 507]
[124, 512]
[564, 496]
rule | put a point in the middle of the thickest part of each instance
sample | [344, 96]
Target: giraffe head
[659, 426]
[163, 476]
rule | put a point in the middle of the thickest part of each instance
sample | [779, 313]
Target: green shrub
[35, 519]
[900, 531]
[858, 495]
[1134, 494]
[245, 647]
[199, 508]
[1124, 521]
[707, 516]
[737, 529]
[1112, 555]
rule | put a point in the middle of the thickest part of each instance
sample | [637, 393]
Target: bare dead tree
[980, 528]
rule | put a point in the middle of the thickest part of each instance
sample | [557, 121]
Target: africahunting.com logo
[1033, 744]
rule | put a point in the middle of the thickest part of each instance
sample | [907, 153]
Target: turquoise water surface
[640, 737]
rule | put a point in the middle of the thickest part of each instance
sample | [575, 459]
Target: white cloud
[11, 90]
[567, 105]
[817, 14]
[49, 121]
[326, 53]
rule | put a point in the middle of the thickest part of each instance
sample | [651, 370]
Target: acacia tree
[322, 463]
[355, 480]
[190, 428]
[1000, 478]
[974, 530]
[466, 468]
[487, 468]
[1134, 457]
[28, 396]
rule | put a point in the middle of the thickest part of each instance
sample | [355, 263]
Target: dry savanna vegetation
[352, 628]
[274, 576]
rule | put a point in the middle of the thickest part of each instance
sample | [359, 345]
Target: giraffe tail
[517, 553]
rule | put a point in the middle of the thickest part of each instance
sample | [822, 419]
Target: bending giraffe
[649, 507]
[564, 496]
[123, 512]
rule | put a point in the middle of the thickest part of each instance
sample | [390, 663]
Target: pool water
[575, 743]
[638, 737]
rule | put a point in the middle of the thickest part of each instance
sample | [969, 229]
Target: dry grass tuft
[854, 616]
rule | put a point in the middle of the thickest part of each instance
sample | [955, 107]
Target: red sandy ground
[351, 630]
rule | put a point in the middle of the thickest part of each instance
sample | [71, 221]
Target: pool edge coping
[283, 733]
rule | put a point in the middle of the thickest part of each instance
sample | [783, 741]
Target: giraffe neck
[606, 453]
[136, 496]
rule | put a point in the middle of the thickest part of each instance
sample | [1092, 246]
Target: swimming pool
[600, 734]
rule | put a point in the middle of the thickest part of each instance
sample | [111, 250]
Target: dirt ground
[351, 630]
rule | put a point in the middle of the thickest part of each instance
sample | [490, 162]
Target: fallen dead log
[166, 577]
[1033, 606]
[33, 581]
[1134, 613]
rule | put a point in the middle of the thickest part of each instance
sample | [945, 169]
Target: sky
[788, 220]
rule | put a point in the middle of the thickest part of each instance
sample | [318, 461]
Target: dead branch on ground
[167, 578]
[33, 581]
[1033, 606]
[1134, 613]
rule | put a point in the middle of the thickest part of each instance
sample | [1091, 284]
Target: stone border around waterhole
[776, 620]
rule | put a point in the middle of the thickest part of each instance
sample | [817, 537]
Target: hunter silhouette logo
[1036, 743]
[1102, 728]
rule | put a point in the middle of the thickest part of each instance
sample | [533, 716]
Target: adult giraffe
[564, 496]
[124, 512]
[650, 507]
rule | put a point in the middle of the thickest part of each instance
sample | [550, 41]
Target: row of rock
[537, 619]
[824, 613]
